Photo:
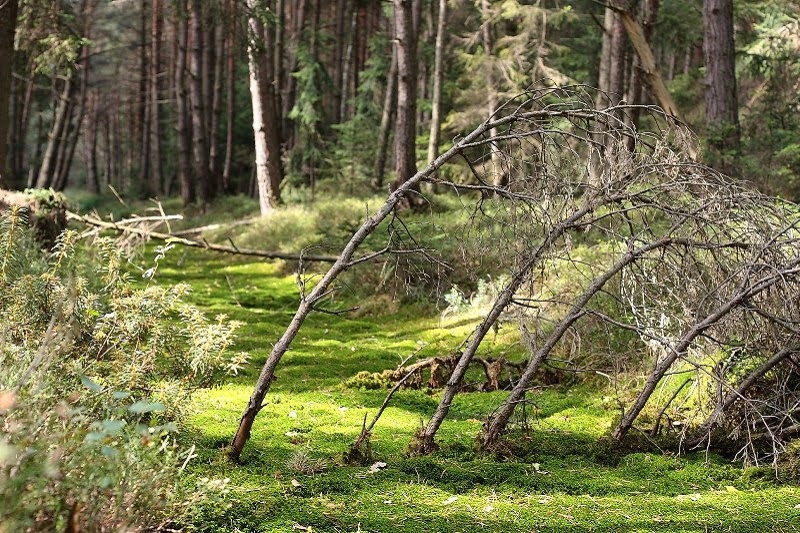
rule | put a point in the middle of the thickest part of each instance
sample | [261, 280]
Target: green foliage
[770, 67]
[96, 372]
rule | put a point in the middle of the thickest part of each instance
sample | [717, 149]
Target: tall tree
[8, 26]
[495, 173]
[200, 139]
[436, 97]
[406, 127]
[266, 125]
[722, 113]
[184, 126]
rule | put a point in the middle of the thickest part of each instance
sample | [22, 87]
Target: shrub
[95, 373]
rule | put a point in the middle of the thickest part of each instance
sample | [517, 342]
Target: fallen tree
[691, 261]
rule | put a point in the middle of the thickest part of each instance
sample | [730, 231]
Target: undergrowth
[96, 374]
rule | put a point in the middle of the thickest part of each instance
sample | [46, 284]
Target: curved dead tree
[690, 253]
[698, 270]
[532, 115]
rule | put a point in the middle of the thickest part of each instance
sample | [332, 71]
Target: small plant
[302, 463]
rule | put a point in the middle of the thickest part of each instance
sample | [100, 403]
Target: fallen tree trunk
[124, 227]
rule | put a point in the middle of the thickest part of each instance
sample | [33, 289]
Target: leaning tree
[700, 271]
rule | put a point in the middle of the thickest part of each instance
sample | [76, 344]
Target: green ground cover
[562, 476]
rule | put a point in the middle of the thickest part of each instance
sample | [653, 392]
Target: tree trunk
[269, 171]
[405, 132]
[156, 30]
[20, 125]
[144, 97]
[648, 15]
[347, 70]
[436, 100]
[61, 119]
[298, 22]
[605, 59]
[230, 105]
[90, 144]
[616, 67]
[216, 110]
[496, 174]
[198, 105]
[384, 132]
[652, 76]
[338, 62]
[184, 131]
[8, 26]
[722, 114]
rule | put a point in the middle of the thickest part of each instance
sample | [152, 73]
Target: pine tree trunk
[389, 109]
[496, 174]
[8, 26]
[49, 166]
[269, 172]
[338, 91]
[436, 100]
[198, 104]
[184, 131]
[156, 30]
[90, 144]
[722, 114]
[405, 131]
[230, 109]
[143, 101]
[298, 22]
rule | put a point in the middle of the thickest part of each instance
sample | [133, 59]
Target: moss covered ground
[562, 476]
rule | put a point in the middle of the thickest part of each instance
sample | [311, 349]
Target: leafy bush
[95, 373]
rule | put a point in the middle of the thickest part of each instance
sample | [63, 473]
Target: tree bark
[230, 104]
[8, 27]
[198, 105]
[722, 113]
[90, 144]
[406, 130]
[61, 118]
[436, 100]
[143, 101]
[156, 30]
[496, 174]
[385, 130]
[652, 76]
[184, 131]
[298, 21]
[269, 170]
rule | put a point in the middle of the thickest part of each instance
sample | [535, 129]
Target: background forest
[450, 265]
[154, 98]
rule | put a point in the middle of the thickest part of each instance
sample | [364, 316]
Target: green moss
[563, 475]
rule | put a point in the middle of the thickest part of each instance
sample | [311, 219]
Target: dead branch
[126, 227]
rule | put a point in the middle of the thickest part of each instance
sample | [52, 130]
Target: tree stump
[47, 212]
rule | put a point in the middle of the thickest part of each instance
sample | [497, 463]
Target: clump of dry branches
[701, 272]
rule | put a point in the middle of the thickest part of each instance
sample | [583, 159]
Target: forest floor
[562, 476]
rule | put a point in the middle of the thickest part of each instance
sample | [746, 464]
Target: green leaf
[90, 384]
[143, 406]
[112, 427]
[121, 395]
